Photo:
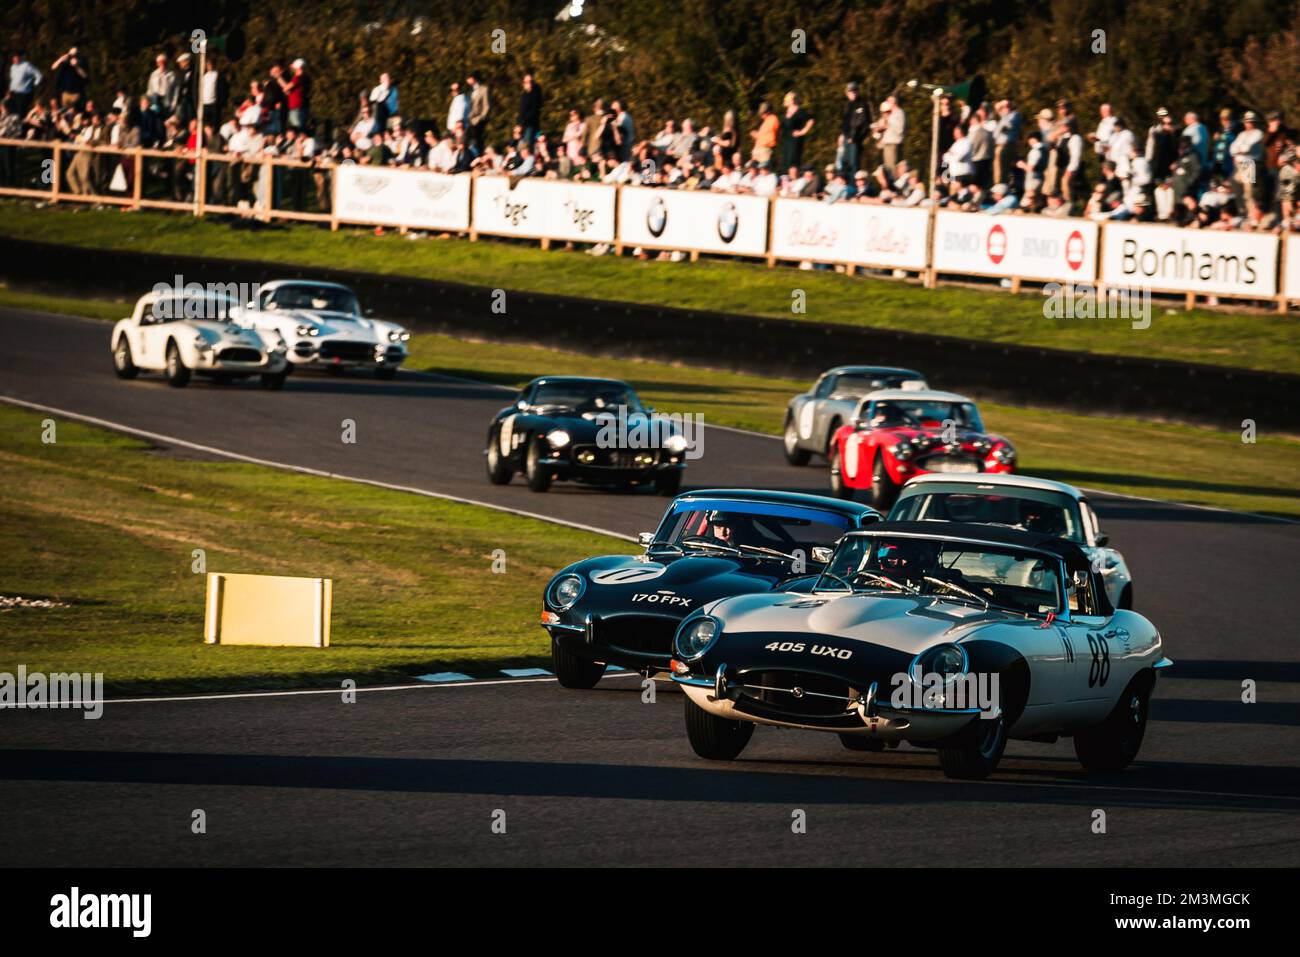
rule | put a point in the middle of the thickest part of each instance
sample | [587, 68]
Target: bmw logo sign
[656, 217]
[728, 222]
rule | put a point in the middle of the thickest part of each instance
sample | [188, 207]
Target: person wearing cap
[854, 127]
[1221, 148]
[187, 90]
[1004, 200]
[892, 133]
[1277, 139]
[1248, 162]
[1162, 144]
[296, 89]
[1006, 141]
[861, 186]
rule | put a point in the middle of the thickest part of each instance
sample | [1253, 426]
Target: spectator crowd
[1242, 174]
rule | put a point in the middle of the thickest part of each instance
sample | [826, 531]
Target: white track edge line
[302, 469]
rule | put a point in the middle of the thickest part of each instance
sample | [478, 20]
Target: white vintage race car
[324, 327]
[190, 333]
[1019, 501]
[954, 637]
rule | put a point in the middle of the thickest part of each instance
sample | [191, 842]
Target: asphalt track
[414, 776]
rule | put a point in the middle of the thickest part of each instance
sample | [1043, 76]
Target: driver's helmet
[1043, 519]
[908, 558]
[718, 525]
[883, 414]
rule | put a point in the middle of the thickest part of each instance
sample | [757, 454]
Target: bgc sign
[1031, 247]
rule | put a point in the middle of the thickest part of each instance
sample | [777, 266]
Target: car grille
[593, 456]
[239, 354]
[351, 351]
[640, 634]
[797, 693]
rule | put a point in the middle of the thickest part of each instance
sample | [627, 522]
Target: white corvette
[186, 333]
[324, 327]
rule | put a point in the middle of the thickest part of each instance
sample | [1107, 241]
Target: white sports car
[1032, 504]
[954, 637]
[187, 333]
[324, 327]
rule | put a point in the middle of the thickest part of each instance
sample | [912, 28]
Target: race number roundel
[1074, 250]
[630, 575]
[996, 244]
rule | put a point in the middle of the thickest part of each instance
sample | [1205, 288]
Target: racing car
[954, 638]
[324, 327]
[897, 433]
[624, 609]
[813, 417]
[183, 334]
[1019, 501]
[580, 429]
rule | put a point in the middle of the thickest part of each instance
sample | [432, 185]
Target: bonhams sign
[862, 234]
[1190, 260]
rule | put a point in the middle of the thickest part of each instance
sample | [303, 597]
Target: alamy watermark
[677, 432]
[1085, 301]
[57, 690]
[201, 300]
[939, 692]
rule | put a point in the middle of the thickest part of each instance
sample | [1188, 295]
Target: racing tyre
[856, 742]
[1113, 744]
[539, 480]
[793, 454]
[1126, 598]
[979, 752]
[838, 488]
[273, 380]
[178, 376]
[386, 372]
[572, 671]
[716, 738]
[883, 488]
[123, 363]
[499, 473]
[669, 485]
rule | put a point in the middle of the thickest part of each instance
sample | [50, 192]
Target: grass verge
[106, 526]
[1252, 341]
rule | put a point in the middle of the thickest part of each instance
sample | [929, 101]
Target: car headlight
[946, 659]
[696, 636]
[306, 329]
[1004, 454]
[676, 443]
[558, 438]
[565, 591]
[397, 335]
[901, 451]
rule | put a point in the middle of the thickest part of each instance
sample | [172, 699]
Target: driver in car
[1044, 519]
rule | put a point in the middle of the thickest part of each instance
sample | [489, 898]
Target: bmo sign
[1031, 247]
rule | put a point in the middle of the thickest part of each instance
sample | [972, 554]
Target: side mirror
[1103, 541]
[645, 538]
[821, 554]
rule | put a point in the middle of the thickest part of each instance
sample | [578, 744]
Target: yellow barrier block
[268, 610]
